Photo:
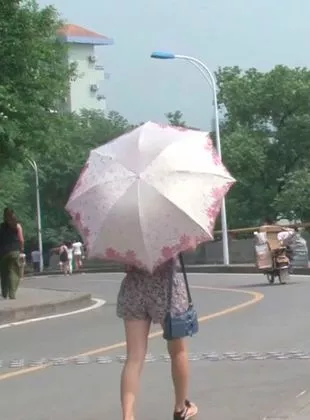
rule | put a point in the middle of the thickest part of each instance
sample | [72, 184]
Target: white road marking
[98, 303]
[301, 393]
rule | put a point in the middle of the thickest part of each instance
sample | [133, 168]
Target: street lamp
[39, 226]
[209, 77]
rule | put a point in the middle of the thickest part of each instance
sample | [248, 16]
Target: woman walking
[77, 254]
[144, 298]
[70, 256]
[11, 245]
[65, 258]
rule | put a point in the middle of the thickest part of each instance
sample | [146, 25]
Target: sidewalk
[34, 303]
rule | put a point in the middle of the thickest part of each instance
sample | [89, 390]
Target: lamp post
[39, 225]
[209, 77]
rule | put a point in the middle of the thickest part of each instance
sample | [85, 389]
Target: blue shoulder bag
[184, 324]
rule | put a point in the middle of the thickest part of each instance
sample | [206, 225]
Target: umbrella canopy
[148, 195]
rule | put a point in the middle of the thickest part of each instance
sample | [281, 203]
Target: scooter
[281, 266]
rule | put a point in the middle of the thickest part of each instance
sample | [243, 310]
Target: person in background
[11, 246]
[70, 257]
[268, 222]
[66, 257]
[22, 264]
[63, 259]
[77, 254]
[35, 259]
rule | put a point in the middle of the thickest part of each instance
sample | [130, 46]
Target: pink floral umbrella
[148, 195]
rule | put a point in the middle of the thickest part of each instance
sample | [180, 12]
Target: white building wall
[89, 73]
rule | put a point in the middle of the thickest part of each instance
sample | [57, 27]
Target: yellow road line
[255, 298]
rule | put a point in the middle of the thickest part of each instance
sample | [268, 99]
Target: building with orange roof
[87, 90]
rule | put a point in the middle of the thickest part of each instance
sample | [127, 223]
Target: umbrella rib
[141, 221]
[191, 173]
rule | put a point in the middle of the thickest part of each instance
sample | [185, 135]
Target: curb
[45, 309]
[216, 269]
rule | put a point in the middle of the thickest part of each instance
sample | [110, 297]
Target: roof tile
[75, 30]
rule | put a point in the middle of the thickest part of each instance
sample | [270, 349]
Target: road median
[35, 303]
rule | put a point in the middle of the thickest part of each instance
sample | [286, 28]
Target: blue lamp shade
[162, 55]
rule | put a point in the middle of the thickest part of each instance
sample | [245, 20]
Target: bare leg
[70, 266]
[66, 268]
[80, 261]
[180, 373]
[137, 332]
[76, 263]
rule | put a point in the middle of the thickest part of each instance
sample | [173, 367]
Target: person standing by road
[11, 245]
[36, 258]
[70, 256]
[63, 258]
[22, 264]
[66, 257]
[77, 254]
[143, 298]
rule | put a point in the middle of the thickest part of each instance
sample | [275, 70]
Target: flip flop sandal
[184, 414]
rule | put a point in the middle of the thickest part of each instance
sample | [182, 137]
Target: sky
[247, 33]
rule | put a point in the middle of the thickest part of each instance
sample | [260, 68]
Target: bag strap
[189, 296]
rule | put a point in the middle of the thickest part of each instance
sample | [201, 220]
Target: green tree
[176, 118]
[15, 194]
[266, 141]
[295, 195]
[34, 77]
[71, 138]
[71, 142]
[34, 83]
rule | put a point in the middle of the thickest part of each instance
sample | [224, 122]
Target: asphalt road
[249, 317]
